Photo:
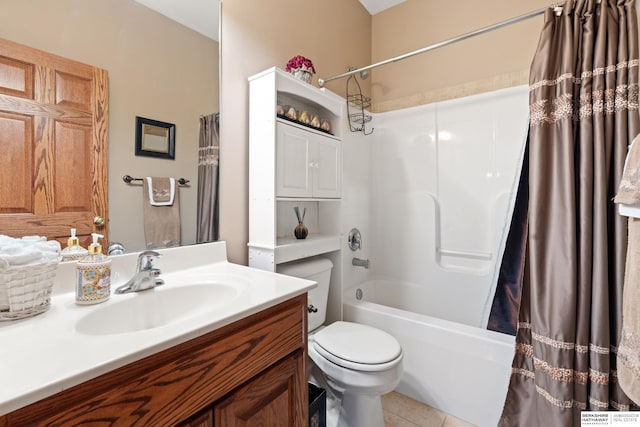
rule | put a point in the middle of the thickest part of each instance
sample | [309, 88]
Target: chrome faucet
[360, 262]
[146, 276]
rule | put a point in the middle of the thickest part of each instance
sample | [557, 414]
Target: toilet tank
[318, 270]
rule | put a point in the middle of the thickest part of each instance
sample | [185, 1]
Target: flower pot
[302, 74]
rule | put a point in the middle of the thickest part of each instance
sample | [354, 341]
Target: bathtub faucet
[360, 262]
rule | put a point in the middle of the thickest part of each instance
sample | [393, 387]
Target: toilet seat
[356, 346]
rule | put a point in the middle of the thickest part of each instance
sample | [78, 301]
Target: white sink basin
[154, 308]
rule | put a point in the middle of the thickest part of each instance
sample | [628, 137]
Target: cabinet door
[307, 164]
[203, 419]
[276, 398]
[327, 176]
[293, 159]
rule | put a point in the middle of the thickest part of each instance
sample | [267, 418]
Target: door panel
[53, 136]
[73, 149]
[15, 173]
[73, 91]
[275, 398]
[16, 78]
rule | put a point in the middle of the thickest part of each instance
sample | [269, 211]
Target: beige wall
[256, 35]
[157, 69]
[497, 59]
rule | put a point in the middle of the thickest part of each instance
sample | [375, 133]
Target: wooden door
[53, 145]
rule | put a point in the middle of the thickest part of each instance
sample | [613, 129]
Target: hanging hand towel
[161, 191]
[629, 347]
[161, 209]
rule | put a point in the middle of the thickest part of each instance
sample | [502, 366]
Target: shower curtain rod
[555, 7]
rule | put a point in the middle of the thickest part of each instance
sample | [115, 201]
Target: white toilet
[356, 363]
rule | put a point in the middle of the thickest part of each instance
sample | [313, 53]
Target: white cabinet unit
[292, 165]
[307, 164]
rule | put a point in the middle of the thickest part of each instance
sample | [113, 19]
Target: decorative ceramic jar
[302, 74]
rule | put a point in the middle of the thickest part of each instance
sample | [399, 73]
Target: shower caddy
[357, 103]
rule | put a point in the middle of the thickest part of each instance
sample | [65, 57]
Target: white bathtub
[459, 369]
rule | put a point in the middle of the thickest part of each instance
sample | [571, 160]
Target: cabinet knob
[98, 221]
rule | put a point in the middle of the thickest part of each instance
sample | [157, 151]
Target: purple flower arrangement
[300, 62]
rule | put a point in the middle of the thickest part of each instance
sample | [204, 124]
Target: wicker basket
[25, 290]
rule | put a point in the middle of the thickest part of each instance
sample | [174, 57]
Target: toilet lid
[357, 343]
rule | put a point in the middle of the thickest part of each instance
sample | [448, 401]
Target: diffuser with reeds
[301, 231]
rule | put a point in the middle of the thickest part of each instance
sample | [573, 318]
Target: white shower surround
[431, 182]
[443, 179]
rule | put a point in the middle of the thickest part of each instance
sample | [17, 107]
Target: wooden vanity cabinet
[265, 400]
[202, 419]
[251, 372]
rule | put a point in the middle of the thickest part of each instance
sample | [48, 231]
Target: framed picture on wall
[155, 138]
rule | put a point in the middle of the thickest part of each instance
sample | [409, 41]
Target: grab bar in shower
[466, 254]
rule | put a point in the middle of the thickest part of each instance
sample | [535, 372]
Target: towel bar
[129, 178]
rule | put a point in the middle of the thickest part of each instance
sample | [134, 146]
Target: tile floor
[402, 411]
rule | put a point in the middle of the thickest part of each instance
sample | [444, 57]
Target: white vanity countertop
[46, 354]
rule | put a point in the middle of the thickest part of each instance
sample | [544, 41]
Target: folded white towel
[22, 257]
[29, 250]
[33, 239]
[49, 247]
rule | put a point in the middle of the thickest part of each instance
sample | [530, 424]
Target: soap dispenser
[73, 251]
[94, 275]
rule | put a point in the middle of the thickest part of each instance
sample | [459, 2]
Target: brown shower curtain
[583, 114]
[207, 218]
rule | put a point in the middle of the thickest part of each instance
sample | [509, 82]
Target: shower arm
[363, 70]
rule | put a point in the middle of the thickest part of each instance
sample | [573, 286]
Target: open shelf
[290, 248]
[309, 128]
